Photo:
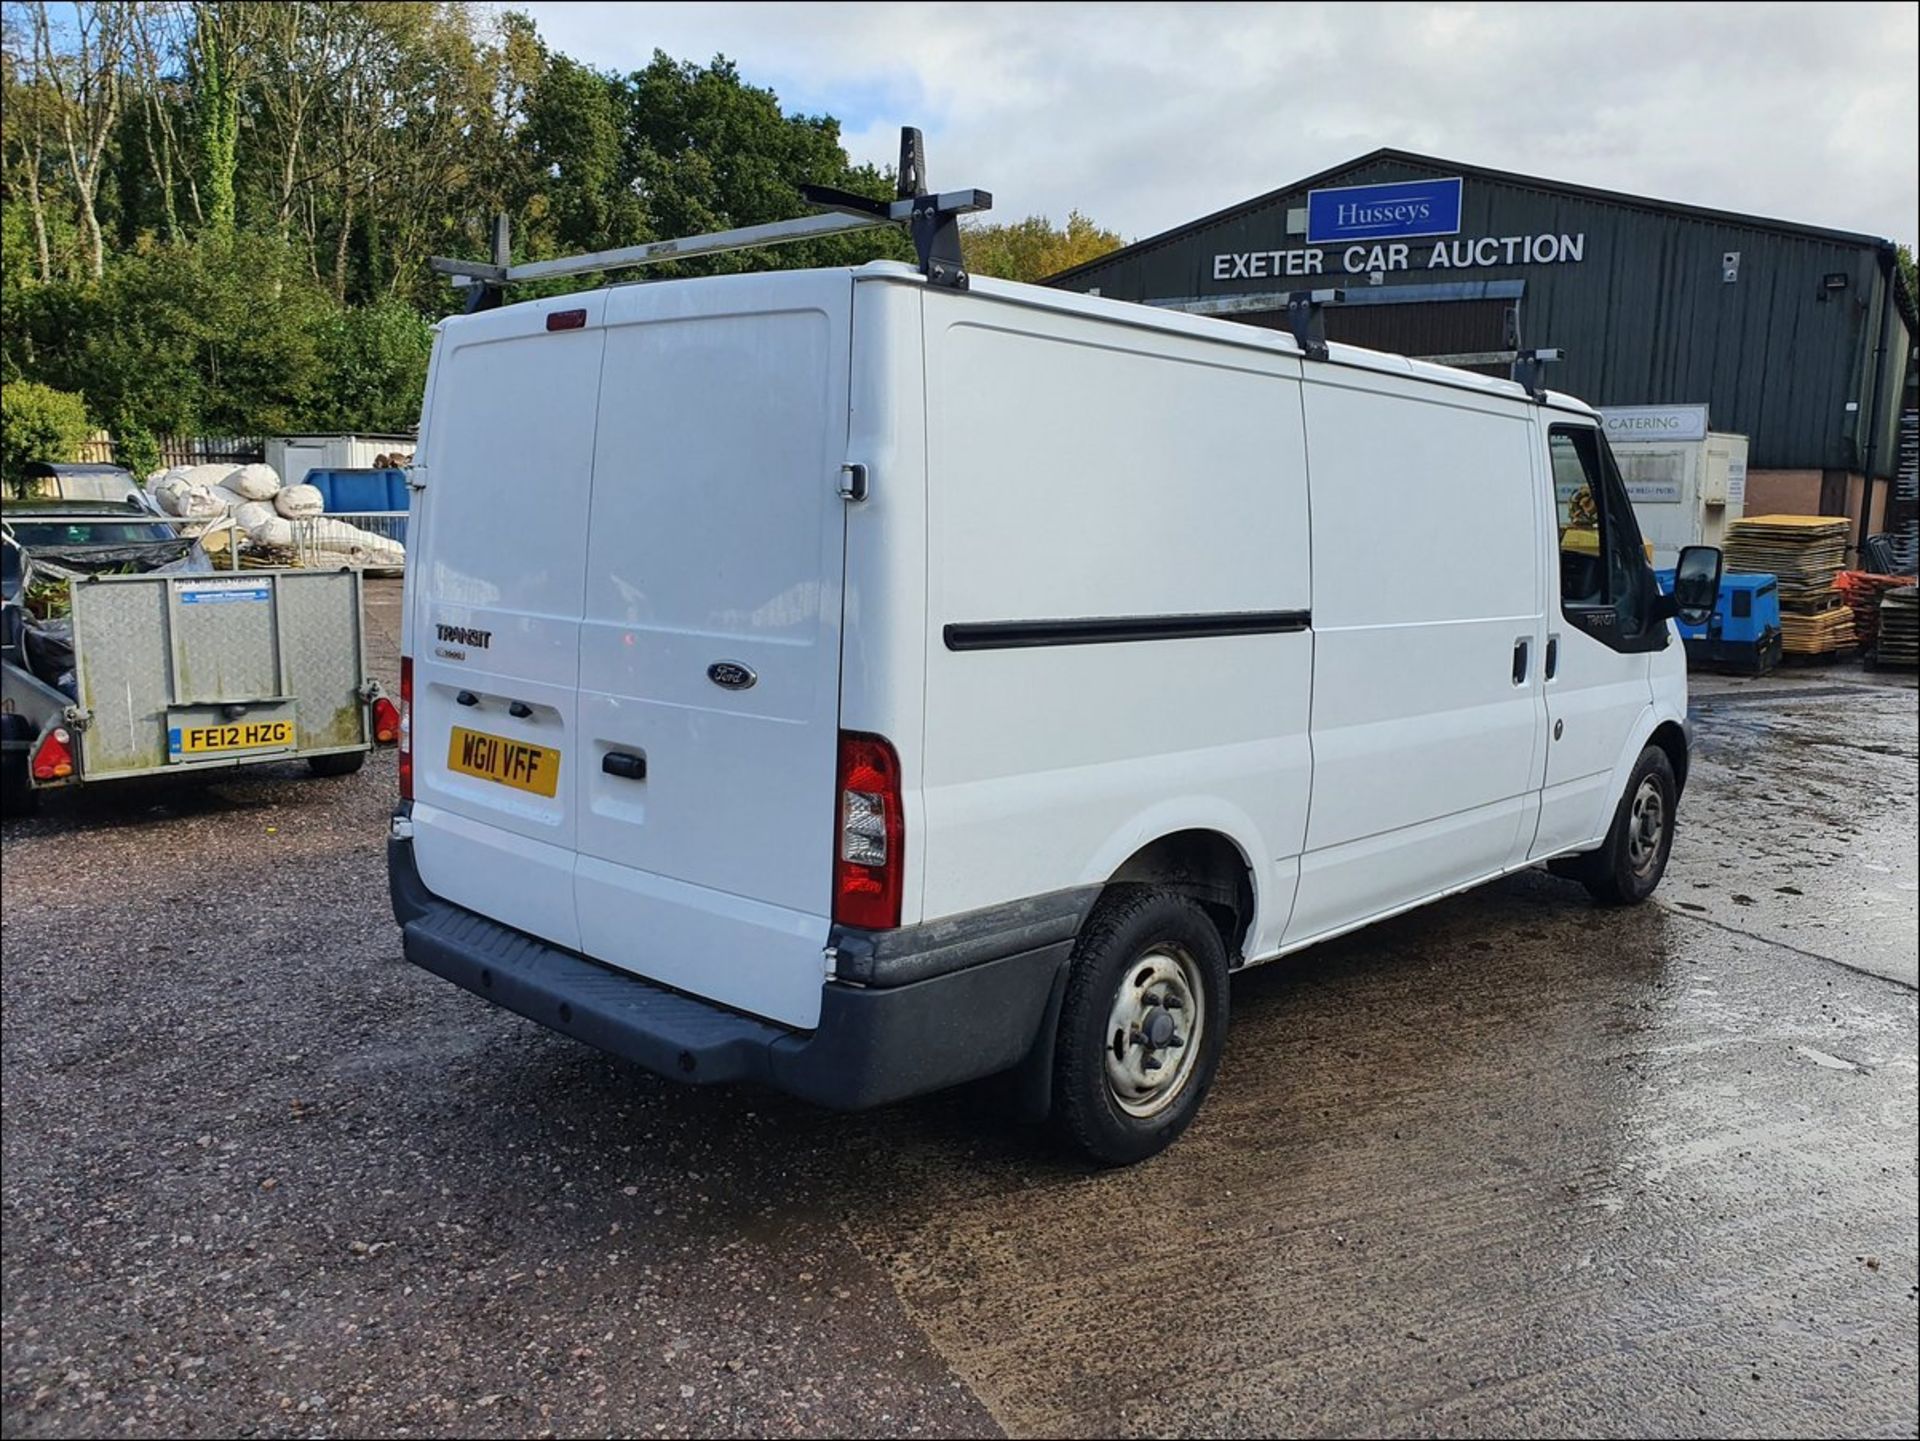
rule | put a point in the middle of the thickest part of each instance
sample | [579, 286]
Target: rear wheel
[1141, 1025]
[1625, 870]
[340, 763]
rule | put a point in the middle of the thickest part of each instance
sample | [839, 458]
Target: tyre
[1625, 870]
[1142, 1024]
[18, 798]
[340, 763]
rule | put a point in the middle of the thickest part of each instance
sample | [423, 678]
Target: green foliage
[273, 178]
[1903, 259]
[218, 339]
[373, 368]
[135, 449]
[1033, 249]
[38, 422]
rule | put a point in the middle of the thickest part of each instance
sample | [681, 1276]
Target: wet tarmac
[1511, 1165]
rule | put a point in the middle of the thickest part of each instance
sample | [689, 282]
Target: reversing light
[869, 858]
[403, 727]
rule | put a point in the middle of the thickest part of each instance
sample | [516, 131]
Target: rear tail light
[386, 721]
[869, 857]
[403, 727]
[53, 755]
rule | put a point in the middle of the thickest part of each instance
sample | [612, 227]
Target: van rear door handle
[627, 767]
[1520, 660]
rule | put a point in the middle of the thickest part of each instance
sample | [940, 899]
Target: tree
[1903, 259]
[214, 214]
[38, 422]
[373, 368]
[221, 65]
[86, 84]
[1033, 249]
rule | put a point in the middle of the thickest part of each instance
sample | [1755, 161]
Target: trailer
[177, 671]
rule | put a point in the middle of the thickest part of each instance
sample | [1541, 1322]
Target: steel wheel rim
[1155, 1028]
[1646, 827]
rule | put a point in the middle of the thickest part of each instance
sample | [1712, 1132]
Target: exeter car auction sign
[1369, 229]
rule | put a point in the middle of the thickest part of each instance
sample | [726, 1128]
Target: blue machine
[350, 492]
[1743, 633]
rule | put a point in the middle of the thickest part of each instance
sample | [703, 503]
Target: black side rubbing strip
[1103, 630]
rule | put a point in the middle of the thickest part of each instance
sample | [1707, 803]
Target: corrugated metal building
[1795, 336]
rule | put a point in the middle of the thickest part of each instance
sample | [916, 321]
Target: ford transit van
[858, 685]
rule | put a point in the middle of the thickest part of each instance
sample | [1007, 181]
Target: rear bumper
[875, 1043]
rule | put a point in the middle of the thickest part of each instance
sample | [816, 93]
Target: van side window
[1603, 564]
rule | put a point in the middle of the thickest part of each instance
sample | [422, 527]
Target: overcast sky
[1145, 116]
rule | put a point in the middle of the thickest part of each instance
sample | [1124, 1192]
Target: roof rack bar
[1307, 318]
[780, 232]
[933, 221]
[1530, 370]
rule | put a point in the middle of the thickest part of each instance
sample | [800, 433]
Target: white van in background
[859, 685]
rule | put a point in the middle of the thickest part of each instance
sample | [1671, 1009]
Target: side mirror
[1696, 583]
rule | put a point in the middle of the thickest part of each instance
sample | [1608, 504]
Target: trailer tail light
[403, 726]
[869, 859]
[386, 721]
[53, 755]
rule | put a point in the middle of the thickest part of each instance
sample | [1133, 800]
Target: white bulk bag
[209, 474]
[195, 502]
[297, 502]
[274, 530]
[251, 514]
[170, 493]
[255, 482]
[337, 538]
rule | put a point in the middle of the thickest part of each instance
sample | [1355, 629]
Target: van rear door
[500, 545]
[703, 776]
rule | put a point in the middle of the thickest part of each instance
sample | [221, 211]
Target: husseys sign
[1384, 212]
[1361, 229]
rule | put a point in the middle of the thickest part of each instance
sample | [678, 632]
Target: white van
[861, 685]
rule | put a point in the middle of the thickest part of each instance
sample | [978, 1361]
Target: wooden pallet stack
[1805, 554]
[1862, 591]
[1899, 628]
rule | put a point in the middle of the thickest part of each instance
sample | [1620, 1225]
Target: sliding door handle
[1553, 655]
[1520, 651]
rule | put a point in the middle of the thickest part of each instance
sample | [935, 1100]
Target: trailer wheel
[18, 798]
[340, 763]
[1141, 1025]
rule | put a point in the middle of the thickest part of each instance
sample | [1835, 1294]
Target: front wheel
[1141, 1025]
[1625, 870]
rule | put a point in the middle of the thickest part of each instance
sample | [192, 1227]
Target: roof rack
[932, 219]
[1529, 370]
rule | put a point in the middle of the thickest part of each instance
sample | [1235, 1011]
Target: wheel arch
[1671, 737]
[1205, 864]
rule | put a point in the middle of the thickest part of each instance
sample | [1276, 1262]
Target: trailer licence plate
[519, 764]
[230, 736]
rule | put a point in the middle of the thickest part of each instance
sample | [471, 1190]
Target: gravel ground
[1508, 1166]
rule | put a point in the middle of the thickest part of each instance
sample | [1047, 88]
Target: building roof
[1504, 177]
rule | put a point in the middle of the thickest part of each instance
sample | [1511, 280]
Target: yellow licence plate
[234, 736]
[512, 763]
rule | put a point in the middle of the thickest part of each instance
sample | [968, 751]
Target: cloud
[1146, 116]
